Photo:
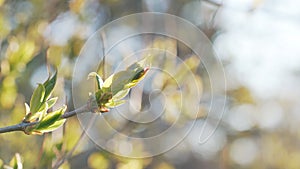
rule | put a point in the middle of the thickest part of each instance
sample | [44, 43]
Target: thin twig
[76, 111]
[23, 125]
[17, 127]
[82, 136]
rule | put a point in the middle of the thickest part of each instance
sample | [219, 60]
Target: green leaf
[124, 79]
[118, 85]
[103, 98]
[27, 109]
[120, 95]
[98, 78]
[120, 80]
[50, 122]
[116, 99]
[117, 82]
[140, 74]
[37, 98]
[107, 83]
[49, 85]
[140, 64]
[113, 103]
[39, 114]
[51, 102]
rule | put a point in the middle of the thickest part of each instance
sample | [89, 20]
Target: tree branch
[22, 126]
[76, 111]
[17, 127]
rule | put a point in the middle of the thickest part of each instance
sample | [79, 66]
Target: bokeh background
[256, 40]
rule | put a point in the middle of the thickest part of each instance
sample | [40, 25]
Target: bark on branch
[22, 126]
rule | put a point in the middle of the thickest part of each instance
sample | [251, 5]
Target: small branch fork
[23, 125]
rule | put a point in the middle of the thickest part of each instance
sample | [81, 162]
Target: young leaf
[107, 83]
[49, 85]
[39, 114]
[103, 98]
[120, 80]
[117, 82]
[124, 79]
[37, 98]
[120, 95]
[140, 74]
[50, 122]
[51, 127]
[137, 78]
[118, 85]
[112, 103]
[98, 78]
[140, 64]
[51, 102]
[27, 109]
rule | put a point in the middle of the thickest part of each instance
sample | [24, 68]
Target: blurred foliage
[34, 34]
[15, 163]
[241, 95]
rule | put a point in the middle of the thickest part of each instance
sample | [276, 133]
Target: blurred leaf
[241, 95]
[65, 165]
[55, 54]
[164, 165]
[1, 163]
[37, 98]
[76, 5]
[98, 78]
[16, 162]
[49, 85]
[98, 161]
[51, 102]
[131, 164]
[51, 121]
[22, 54]
[8, 94]
[189, 65]
[4, 26]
